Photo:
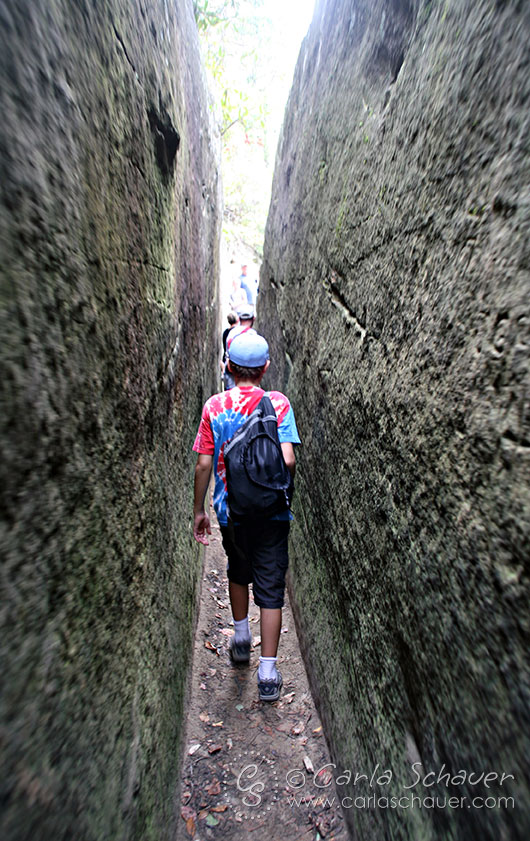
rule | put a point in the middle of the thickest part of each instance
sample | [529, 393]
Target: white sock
[267, 668]
[242, 629]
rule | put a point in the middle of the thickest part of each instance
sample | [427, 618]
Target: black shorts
[257, 555]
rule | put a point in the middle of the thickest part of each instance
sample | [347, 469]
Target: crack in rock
[338, 300]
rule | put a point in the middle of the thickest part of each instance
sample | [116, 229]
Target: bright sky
[291, 20]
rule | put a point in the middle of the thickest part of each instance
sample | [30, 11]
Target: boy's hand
[201, 527]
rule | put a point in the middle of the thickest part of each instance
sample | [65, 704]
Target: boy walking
[245, 322]
[256, 550]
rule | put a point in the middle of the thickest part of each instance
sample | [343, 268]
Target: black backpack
[258, 481]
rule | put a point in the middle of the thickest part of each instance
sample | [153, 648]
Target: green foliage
[249, 49]
[238, 53]
[230, 35]
[210, 13]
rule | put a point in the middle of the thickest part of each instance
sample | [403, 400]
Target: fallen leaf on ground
[185, 796]
[213, 671]
[190, 827]
[289, 697]
[211, 820]
[214, 788]
[214, 748]
[193, 749]
[202, 814]
[187, 812]
[298, 728]
[256, 641]
[202, 686]
[240, 707]
[317, 729]
[227, 632]
[217, 724]
[308, 765]
[222, 808]
[325, 824]
[204, 717]
[211, 647]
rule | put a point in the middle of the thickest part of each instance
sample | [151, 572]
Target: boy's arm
[201, 520]
[288, 456]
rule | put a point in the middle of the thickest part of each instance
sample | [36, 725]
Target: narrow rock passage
[246, 761]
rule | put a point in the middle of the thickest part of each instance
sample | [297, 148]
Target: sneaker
[269, 690]
[239, 651]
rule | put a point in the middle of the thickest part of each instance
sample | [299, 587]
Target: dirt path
[246, 760]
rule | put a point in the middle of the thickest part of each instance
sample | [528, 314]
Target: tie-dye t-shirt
[221, 416]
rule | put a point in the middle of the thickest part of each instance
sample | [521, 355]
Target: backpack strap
[229, 341]
[268, 410]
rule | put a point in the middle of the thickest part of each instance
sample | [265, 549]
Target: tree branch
[223, 132]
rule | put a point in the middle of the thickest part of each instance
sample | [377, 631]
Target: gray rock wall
[109, 221]
[395, 291]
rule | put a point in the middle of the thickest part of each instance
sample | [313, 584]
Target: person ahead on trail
[238, 295]
[227, 376]
[248, 286]
[245, 316]
[256, 549]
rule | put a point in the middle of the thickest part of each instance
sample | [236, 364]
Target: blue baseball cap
[249, 350]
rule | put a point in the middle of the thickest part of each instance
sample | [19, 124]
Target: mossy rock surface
[394, 292]
[109, 223]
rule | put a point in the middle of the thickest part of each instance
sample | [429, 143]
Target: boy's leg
[269, 565]
[271, 624]
[238, 600]
[269, 678]
[240, 570]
